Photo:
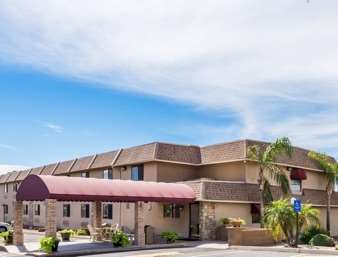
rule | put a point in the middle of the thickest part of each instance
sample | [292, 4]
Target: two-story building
[222, 176]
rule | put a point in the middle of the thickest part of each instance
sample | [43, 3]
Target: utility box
[149, 234]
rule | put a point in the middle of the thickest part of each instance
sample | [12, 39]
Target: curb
[101, 251]
[289, 250]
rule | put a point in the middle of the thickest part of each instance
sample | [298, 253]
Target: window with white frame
[108, 211]
[85, 174]
[108, 174]
[85, 210]
[296, 186]
[37, 209]
[66, 210]
[336, 187]
[25, 209]
[6, 188]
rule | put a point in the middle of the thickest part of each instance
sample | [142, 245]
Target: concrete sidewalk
[304, 249]
[84, 247]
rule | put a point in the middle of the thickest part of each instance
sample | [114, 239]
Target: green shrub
[169, 236]
[49, 244]
[322, 240]
[82, 232]
[120, 239]
[309, 233]
[7, 236]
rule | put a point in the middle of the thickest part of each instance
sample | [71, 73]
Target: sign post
[297, 207]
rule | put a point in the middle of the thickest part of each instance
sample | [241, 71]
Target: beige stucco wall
[224, 171]
[234, 210]
[315, 180]
[170, 172]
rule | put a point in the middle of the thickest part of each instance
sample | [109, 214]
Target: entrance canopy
[61, 188]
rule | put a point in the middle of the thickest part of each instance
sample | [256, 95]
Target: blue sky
[84, 78]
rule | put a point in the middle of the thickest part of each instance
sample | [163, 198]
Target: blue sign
[297, 205]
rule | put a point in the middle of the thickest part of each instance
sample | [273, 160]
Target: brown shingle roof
[137, 154]
[104, 160]
[36, 171]
[299, 156]
[3, 178]
[82, 163]
[223, 152]
[12, 176]
[23, 174]
[49, 169]
[178, 153]
[63, 167]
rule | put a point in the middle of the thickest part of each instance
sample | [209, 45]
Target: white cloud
[273, 63]
[4, 168]
[54, 127]
[7, 147]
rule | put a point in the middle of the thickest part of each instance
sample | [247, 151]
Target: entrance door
[194, 220]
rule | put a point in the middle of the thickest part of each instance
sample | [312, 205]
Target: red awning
[61, 188]
[298, 174]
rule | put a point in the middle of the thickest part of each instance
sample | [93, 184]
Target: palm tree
[330, 167]
[282, 220]
[266, 157]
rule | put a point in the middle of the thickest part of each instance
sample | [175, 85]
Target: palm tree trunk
[261, 195]
[328, 212]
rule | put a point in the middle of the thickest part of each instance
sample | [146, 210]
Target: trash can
[149, 234]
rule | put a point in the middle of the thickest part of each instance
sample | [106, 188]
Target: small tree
[266, 157]
[330, 168]
[281, 219]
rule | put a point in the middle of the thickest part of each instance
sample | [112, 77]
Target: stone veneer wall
[207, 221]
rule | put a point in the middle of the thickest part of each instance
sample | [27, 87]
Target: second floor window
[108, 174]
[37, 209]
[5, 208]
[85, 210]
[25, 209]
[6, 188]
[296, 186]
[85, 174]
[66, 210]
[15, 187]
[108, 211]
[137, 172]
[336, 189]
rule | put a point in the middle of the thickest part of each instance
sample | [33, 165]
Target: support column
[139, 224]
[207, 221]
[96, 217]
[18, 226]
[50, 217]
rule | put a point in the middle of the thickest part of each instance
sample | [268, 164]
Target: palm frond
[268, 197]
[253, 152]
[280, 177]
[280, 146]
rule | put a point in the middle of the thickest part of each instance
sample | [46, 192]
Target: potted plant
[49, 244]
[170, 236]
[225, 221]
[120, 239]
[237, 222]
[66, 234]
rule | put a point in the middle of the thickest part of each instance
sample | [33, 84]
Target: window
[85, 210]
[5, 209]
[25, 209]
[85, 174]
[172, 211]
[6, 188]
[108, 211]
[66, 210]
[296, 186]
[108, 174]
[15, 187]
[37, 209]
[336, 189]
[137, 172]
